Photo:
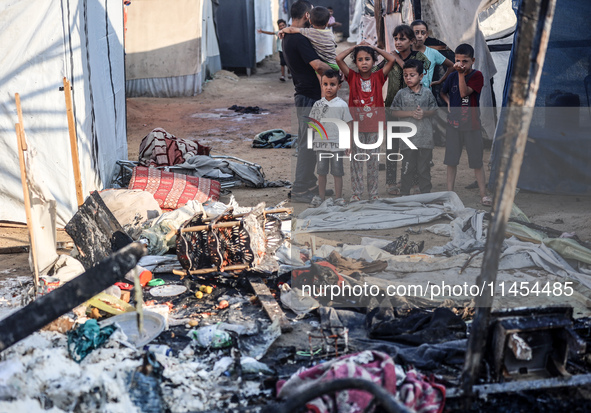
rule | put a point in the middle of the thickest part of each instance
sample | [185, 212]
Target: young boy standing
[329, 156]
[461, 91]
[415, 103]
[281, 25]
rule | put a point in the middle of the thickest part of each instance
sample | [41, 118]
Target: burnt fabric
[402, 246]
[415, 328]
[255, 238]
[192, 248]
[160, 148]
[320, 273]
[172, 190]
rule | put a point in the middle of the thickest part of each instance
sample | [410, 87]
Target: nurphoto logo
[394, 130]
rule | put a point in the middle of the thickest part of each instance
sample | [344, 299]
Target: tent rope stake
[22, 147]
[534, 32]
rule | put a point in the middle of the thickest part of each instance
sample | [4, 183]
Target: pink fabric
[417, 392]
[370, 365]
[422, 395]
[172, 190]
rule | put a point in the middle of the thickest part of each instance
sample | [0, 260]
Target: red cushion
[173, 190]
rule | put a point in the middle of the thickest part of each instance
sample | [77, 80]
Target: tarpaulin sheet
[380, 214]
[43, 42]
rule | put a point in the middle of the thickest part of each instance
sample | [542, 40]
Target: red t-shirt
[464, 113]
[366, 102]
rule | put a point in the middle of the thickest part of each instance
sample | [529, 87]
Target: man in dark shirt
[304, 63]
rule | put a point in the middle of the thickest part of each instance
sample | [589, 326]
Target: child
[404, 38]
[281, 25]
[332, 23]
[461, 91]
[327, 148]
[415, 103]
[366, 103]
[320, 37]
[421, 31]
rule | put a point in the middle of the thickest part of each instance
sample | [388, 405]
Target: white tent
[171, 47]
[43, 42]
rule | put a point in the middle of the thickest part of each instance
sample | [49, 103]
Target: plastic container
[159, 349]
[211, 336]
[144, 274]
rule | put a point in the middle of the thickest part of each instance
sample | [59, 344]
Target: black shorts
[282, 59]
[456, 139]
[331, 161]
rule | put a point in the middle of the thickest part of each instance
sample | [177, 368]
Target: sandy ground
[206, 118]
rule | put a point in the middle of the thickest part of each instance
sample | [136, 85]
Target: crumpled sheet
[220, 169]
[425, 356]
[87, 337]
[382, 214]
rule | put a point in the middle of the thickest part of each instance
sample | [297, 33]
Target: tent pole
[530, 51]
[73, 142]
[22, 147]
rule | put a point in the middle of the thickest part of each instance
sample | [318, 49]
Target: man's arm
[265, 32]
[319, 66]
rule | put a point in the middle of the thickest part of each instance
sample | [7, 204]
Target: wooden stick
[530, 50]
[22, 147]
[73, 143]
[233, 223]
[227, 224]
[269, 303]
[210, 270]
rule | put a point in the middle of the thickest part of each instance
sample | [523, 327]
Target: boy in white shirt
[329, 155]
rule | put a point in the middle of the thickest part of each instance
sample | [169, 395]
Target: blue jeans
[306, 162]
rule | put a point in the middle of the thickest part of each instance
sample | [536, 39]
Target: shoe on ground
[355, 198]
[486, 201]
[304, 198]
[316, 202]
[282, 79]
[374, 198]
[340, 202]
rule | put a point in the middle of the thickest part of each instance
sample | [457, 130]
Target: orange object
[223, 304]
[145, 277]
[125, 296]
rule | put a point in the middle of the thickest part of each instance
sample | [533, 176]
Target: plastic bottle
[159, 349]
[211, 336]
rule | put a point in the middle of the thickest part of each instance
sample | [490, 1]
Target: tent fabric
[170, 63]
[556, 157]
[457, 25]
[263, 18]
[43, 43]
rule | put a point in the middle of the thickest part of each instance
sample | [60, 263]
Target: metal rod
[534, 31]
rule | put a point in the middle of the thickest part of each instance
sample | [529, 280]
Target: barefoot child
[461, 91]
[329, 156]
[367, 107]
[404, 38]
[281, 25]
[415, 103]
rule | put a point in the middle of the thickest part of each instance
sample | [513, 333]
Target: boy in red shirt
[461, 91]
